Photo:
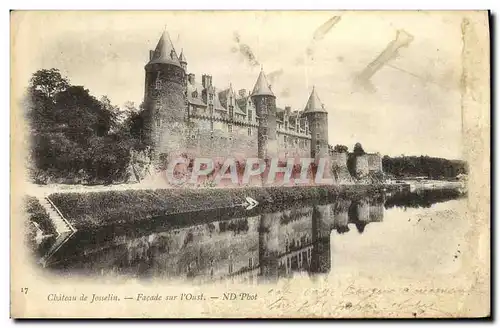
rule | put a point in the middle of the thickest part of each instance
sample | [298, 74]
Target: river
[404, 232]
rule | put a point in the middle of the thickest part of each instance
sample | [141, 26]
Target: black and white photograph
[258, 164]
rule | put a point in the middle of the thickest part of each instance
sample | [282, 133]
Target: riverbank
[91, 210]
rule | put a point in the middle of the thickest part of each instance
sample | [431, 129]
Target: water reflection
[265, 244]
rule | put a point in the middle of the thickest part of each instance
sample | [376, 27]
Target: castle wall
[361, 167]
[374, 162]
[293, 145]
[339, 168]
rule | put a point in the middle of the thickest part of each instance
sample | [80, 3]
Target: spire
[314, 104]
[165, 52]
[182, 58]
[261, 87]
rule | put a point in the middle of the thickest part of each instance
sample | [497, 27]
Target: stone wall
[374, 162]
[339, 167]
[361, 168]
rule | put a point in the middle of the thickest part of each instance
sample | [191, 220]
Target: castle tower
[164, 99]
[182, 60]
[317, 118]
[265, 104]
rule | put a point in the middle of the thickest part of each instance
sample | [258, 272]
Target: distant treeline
[423, 166]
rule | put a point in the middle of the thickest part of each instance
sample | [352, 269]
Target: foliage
[358, 149]
[340, 149]
[77, 138]
[48, 82]
[423, 166]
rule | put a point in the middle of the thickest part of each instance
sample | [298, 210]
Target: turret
[317, 118]
[182, 60]
[265, 104]
[164, 98]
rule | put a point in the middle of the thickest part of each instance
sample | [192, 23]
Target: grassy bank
[99, 209]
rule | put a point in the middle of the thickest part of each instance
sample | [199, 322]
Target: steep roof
[165, 52]
[182, 58]
[314, 104]
[194, 94]
[261, 87]
[225, 101]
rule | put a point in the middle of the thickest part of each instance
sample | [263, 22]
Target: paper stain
[274, 75]
[285, 93]
[321, 31]
[391, 51]
[244, 50]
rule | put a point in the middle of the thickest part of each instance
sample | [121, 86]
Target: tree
[49, 82]
[358, 149]
[340, 149]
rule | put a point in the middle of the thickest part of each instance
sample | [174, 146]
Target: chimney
[242, 93]
[206, 81]
[191, 78]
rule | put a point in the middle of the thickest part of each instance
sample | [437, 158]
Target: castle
[185, 117]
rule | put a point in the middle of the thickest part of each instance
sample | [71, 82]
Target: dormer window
[172, 54]
[195, 94]
[231, 111]
[211, 96]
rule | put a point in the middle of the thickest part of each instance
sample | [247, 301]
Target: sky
[413, 109]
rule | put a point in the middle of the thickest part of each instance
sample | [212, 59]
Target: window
[250, 117]
[230, 267]
[250, 262]
[284, 139]
[317, 125]
[211, 96]
[229, 128]
[158, 122]
[249, 131]
[195, 94]
[212, 126]
[158, 104]
[211, 109]
[231, 111]
[158, 84]
[317, 135]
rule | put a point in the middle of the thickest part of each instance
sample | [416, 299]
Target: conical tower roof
[165, 52]
[182, 58]
[314, 104]
[261, 87]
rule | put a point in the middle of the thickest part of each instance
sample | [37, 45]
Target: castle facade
[186, 116]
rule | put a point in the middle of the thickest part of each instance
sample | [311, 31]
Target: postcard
[250, 164]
